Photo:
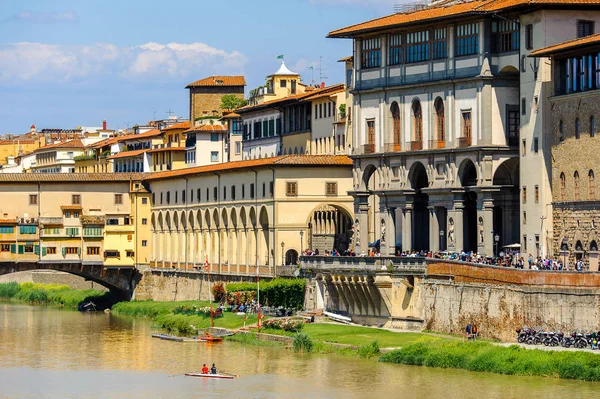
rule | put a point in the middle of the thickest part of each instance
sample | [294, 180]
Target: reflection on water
[50, 353]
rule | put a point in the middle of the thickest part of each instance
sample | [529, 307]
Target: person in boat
[213, 369]
[204, 369]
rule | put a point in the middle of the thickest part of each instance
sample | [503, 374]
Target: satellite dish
[296, 273]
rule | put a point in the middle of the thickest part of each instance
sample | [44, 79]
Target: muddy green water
[51, 353]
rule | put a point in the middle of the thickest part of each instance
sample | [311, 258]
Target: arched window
[563, 186]
[577, 129]
[417, 121]
[576, 195]
[561, 131]
[395, 110]
[591, 185]
[592, 126]
[439, 121]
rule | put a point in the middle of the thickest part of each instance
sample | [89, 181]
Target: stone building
[206, 94]
[575, 148]
[444, 101]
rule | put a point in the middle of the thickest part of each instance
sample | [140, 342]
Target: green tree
[231, 101]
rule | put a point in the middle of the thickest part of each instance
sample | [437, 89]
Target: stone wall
[204, 101]
[52, 277]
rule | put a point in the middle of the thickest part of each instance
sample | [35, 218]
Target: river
[53, 353]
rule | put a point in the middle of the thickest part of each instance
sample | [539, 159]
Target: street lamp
[282, 256]
[441, 240]
[496, 239]
[301, 235]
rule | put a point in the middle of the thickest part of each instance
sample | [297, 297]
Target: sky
[69, 63]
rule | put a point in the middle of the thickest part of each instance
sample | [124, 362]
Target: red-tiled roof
[566, 46]
[8, 221]
[208, 128]
[145, 135]
[75, 143]
[283, 160]
[108, 141]
[349, 58]
[127, 154]
[308, 95]
[69, 177]
[231, 115]
[167, 149]
[181, 125]
[219, 81]
[17, 141]
[449, 9]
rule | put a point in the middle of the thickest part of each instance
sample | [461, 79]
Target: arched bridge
[119, 280]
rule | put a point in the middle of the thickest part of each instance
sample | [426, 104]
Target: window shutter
[13, 248]
[44, 251]
[78, 251]
[21, 249]
[36, 249]
[64, 251]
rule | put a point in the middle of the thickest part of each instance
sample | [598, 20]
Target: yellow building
[81, 218]
[25, 143]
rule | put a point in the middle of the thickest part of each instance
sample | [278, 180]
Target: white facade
[261, 144]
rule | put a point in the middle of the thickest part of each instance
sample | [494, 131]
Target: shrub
[302, 343]
[288, 293]
[369, 350]
[291, 325]
[218, 291]
[9, 290]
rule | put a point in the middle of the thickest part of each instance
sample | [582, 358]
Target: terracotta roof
[326, 93]
[8, 221]
[207, 128]
[219, 81]
[231, 115]
[283, 160]
[349, 58]
[181, 125]
[108, 141]
[69, 177]
[70, 207]
[448, 9]
[167, 149]
[127, 154]
[308, 95]
[568, 45]
[145, 135]
[76, 143]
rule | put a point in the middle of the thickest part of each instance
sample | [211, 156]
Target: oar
[230, 374]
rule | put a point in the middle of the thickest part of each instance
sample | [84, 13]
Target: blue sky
[68, 63]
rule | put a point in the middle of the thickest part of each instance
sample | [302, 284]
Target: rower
[213, 369]
[204, 369]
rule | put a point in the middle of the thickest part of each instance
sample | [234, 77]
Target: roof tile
[219, 81]
[76, 143]
[181, 125]
[568, 45]
[127, 154]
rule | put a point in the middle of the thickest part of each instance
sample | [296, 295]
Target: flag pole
[212, 320]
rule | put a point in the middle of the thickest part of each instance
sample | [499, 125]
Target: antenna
[154, 113]
[322, 71]
[170, 112]
[312, 75]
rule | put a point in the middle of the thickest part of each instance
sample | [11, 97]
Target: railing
[383, 264]
[95, 220]
[464, 142]
[416, 145]
[368, 148]
[51, 221]
[392, 147]
[437, 144]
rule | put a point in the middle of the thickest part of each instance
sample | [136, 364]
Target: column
[192, 246]
[154, 248]
[361, 241]
[485, 226]
[407, 227]
[390, 233]
[434, 229]
[399, 225]
[455, 226]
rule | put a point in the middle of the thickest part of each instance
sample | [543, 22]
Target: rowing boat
[222, 376]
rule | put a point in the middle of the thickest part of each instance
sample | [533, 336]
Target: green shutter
[64, 251]
[36, 249]
[21, 249]
[13, 248]
[78, 251]
[44, 251]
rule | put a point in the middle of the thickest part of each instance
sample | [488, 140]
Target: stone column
[434, 229]
[362, 230]
[399, 227]
[390, 232]
[485, 226]
[455, 226]
[407, 228]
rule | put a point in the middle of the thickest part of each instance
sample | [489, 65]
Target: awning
[512, 246]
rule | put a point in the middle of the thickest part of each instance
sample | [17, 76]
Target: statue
[356, 232]
[451, 231]
[481, 230]
[382, 230]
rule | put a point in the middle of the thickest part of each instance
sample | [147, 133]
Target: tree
[231, 102]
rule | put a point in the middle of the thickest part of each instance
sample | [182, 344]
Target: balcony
[51, 221]
[464, 142]
[437, 144]
[392, 147]
[368, 148]
[120, 228]
[415, 145]
[93, 220]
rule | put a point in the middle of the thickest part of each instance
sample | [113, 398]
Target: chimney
[104, 124]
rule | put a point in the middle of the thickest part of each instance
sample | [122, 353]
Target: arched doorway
[329, 228]
[420, 222]
[506, 204]
[291, 257]
[468, 179]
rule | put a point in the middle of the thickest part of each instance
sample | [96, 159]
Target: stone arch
[199, 219]
[593, 245]
[191, 220]
[509, 70]
[366, 176]
[168, 224]
[329, 227]
[207, 221]
[467, 173]
[175, 221]
[418, 179]
[215, 218]
[291, 257]
[252, 217]
[183, 221]
[160, 221]
[224, 218]
[507, 173]
[417, 176]
[153, 221]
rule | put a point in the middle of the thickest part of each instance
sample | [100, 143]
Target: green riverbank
[51, 294]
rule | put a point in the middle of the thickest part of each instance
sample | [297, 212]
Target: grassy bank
[163, 317]
[483, 356]
[52, 294]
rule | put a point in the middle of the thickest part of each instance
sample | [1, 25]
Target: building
[58, 157]
[447, 116]
[241, 214]
[574, 97]
[206, 94]
[235, 127]
[206, 144]
[11, 147]
[83, 218]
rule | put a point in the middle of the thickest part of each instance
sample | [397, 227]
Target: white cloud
[46, 17]
[40, 62]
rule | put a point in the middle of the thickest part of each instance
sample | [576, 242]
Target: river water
[52, 353]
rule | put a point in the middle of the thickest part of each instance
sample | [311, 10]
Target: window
[585, 28]
[93, 250]
[264, 190]
[524, 194]
[5, 248]
[536, 192]
[67, 214]
[224, 193]
[183, 196]
[92, 231]
[561, 133]
[563, 186]
[524, 244]
[592, 126]
[523, 106]
[321, 110]
[144, 243]
[243, 191]
[144, 201]
[576, 195]
[291, 188]
[395, 50]
[371, 53]
[524, 217]
[7, 230]
[71, 250]
[467, 39]
[283, 83]
[395, 110]
[252, 190]
[214, 137]
[51, 250]
[118, 199]
[198, 194]
[331, 188]
[176, 196]
[233, 193]
[28, 248]
[51, 230]
[439, 44]
[161, 198]
[514, 119]
[349, 78]
[112, 254]
[144, 221]
[536, 145]
[27, 229]
[215, 193]
[129, 254]
[417, 116]
[168, 197]
[191, 195]
[371, 132]
[466, 124]
[271, 189]
[33, 199]
[591, 185]
[524, 148]
[112, 221]
[214, 156]
[76, 214]
[76, 199]
[577, 128]
[72, 231]
[417, 46]
[238, 148]
[505, 36]
[529, 37]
